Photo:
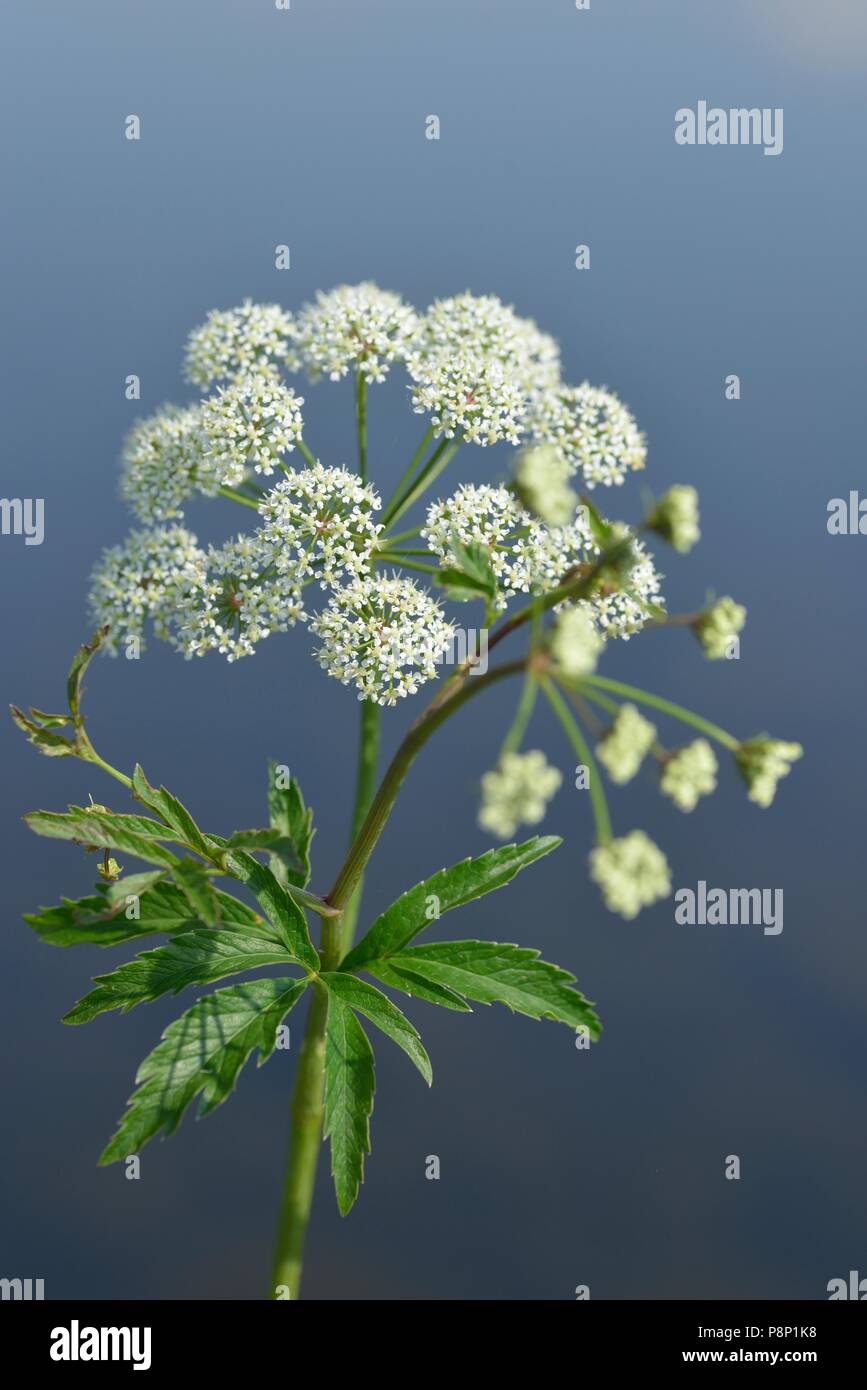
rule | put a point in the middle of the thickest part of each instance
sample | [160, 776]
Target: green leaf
[281, 909]
[133, 834]
[193, 880]
[203, 1052]
[80, 663]
[492, 973]
[397, 926]
[415, 986]
[39, 733]
[195, 958]
[349, 1088]
[469, 574]
[367, 1000]
[280, 847]
[289, 815]
[101, 920]
[176, 816]
[134, 885]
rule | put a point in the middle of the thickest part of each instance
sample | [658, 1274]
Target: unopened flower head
[593, 430]
[251, 423]
[234, 598]
[632, 873]
[318, 521]
[142, 579]
[626, 744]
[675, 518]
[482, 326]
[383, 635]
[542, 477]
[467, 395]
[164, 463]
[762, 762]
[717, 626]
[575, 643]
[689, 773]
[354, 327]
[235, 343]
[517, 792]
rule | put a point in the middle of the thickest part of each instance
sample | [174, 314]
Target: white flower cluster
[164, 463]
[354, 326]
[318, 522]
[383, 635]
[251, 423]
[622, 610]
[624, 747]
[482, 327]
[467, 396]
[517, 792]
[632, 873]
[689, 773]
[675, 518]
[233, 598]
[143, 579]
[251, 340]
[592, 429]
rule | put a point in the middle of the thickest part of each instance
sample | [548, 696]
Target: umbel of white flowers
[321, 551]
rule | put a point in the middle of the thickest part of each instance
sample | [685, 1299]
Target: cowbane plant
[373, 582]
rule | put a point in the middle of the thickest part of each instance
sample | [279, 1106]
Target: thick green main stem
[307, 1109]
[365, 788]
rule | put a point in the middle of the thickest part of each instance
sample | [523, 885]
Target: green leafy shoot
[291, 818]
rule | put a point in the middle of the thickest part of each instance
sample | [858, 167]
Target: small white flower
[763, 762]
[689, 773]
[235, 597]
[675, 518]
[318, 521]
[593, 430]
[624, 747]
[354, 326]
[623, 610]
[517, 792]
[632, 873]
[384, 635]
[164, 462]
[251, 423]
[542, 475]
[233, 343]
[575, 643]
[467, 395]
[717, 626]
[142, 579]
[482, 326]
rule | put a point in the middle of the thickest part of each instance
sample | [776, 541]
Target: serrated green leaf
[194, 958]
[289, 815]
[162, 910]
[367, 1000]
[80, 663]
[176, 816]
[468, 573]
[415, 986]
[203, 1052]
[193, 881]
[349, 1088]
[280, 848]
[131, 834]
[280, 908]
[494, 973]
[450, 888]
[40, 735]
[134, 885]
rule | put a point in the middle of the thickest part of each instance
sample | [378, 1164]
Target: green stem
[304, 451]
[361, 421]
[413, 465]
[408, 564]
[235, 496]
[526, 705]
[686, 716]
[442, 455]
[365, 787]
[598, 802]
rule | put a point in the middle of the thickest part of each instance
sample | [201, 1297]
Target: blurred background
[306, 127]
